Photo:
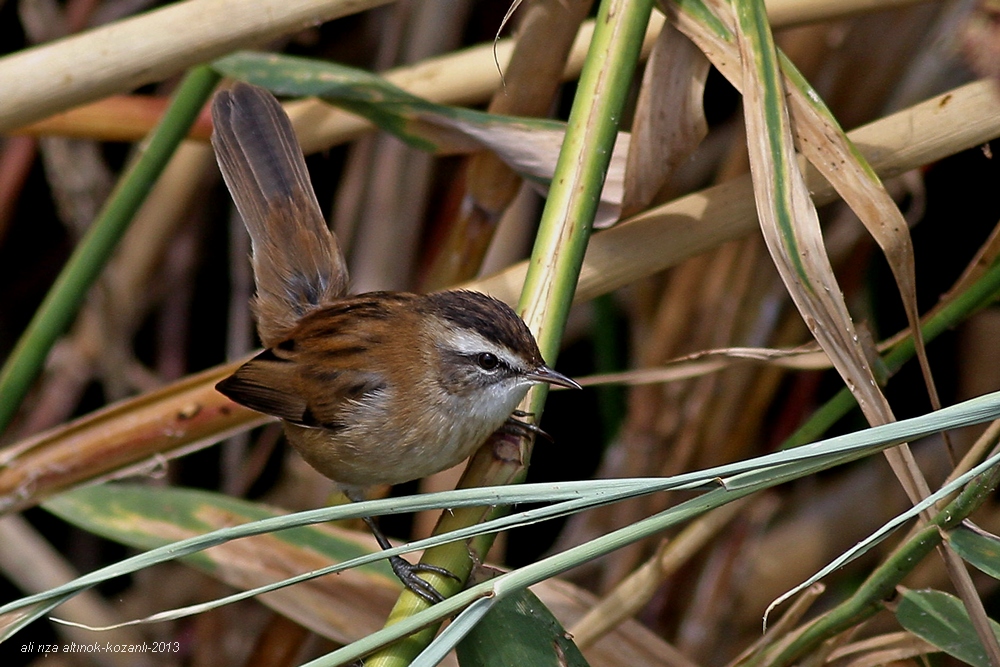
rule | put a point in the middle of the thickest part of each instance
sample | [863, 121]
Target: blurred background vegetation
[173, 301]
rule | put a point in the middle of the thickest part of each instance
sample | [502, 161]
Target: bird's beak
[549, 376]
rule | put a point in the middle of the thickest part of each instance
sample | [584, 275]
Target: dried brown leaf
[669, 118]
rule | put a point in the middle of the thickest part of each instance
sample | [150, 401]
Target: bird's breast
[380, 444]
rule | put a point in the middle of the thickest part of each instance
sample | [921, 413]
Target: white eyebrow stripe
[467, 341]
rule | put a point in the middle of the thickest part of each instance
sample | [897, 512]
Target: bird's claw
[407, 573]
[523, 429]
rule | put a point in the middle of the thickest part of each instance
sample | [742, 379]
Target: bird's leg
[404, 570]
[523, 429]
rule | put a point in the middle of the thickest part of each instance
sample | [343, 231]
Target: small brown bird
[378, 388]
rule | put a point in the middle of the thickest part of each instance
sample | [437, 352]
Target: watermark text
[39, 648]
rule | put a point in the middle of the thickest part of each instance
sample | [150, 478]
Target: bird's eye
[487, 361]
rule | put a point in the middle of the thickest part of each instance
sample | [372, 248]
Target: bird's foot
[523, 429]
[407, 573]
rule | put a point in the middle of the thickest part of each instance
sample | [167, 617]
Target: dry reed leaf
[465, 77]
[791, 228]
[130, 437]
[530, 146]
[533, 152]
[669, 118]
[824, 144]
[701, 363]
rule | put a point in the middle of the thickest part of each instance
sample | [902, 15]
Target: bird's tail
[296, 259]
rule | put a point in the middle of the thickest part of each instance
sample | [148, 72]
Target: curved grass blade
[887, 529]
[13, 618]
[788, 217]
[511, 582]
[881, 584]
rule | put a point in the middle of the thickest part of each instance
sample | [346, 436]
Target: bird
[373, 388]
